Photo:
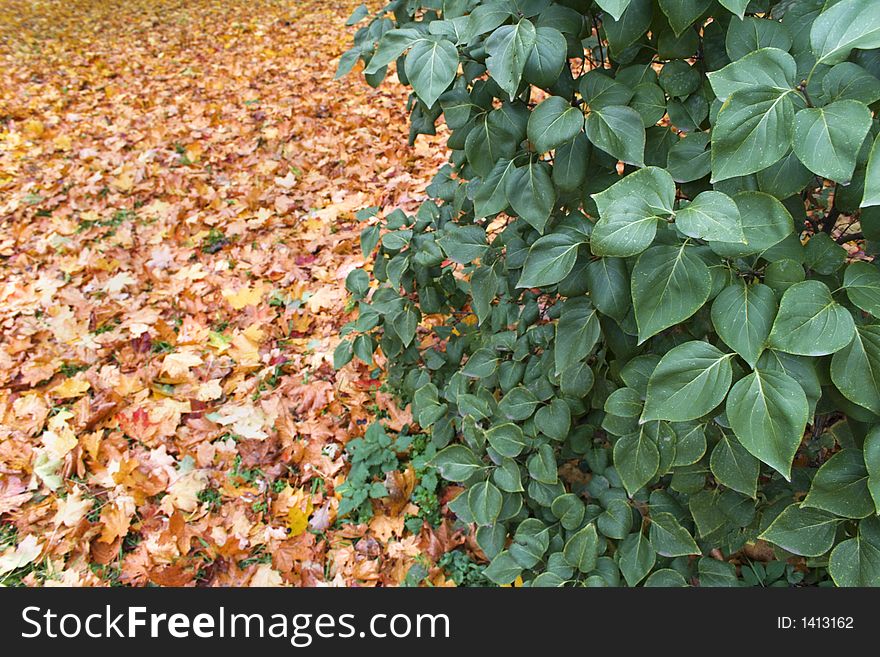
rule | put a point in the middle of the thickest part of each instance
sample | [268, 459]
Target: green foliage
[624, 316]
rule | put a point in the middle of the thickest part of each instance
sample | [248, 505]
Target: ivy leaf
[872, 177]
[546, 58]
[862, 282]
[733, 466]
[742, 316]
[738, 7]
[855, 369]
[503, 569]
[872, 464]
[550, 259]
[508, 48]
[582, 549]
[614, 7]
[669, 538]
[618, 131]
[753, 130]
[507, 439]
[810, 322]
[484, 501]
[768, 412]
[430, 67]
[765, 223]
[846, 25]
[456, 463]
[856, 562]
[841, 486]
[711, 216]
[577, 332]
[636, 557]
[636, 459]
[688, 382]
[626, 228]
[554, 122]
[801, 530]
[683, 13]
[531, 194]
[652, 185]
[827, 139]
[669, 284]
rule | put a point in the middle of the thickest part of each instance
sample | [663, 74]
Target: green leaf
[742, 316]
[614, 7]
[554, 420]
[653, 185]
[569, 508]
[616, 520]
[608, 282]
[665, 578]
[768, 412]
[669, 538]
[546, 58]
[841, 486]
[738, 7]
[856, 562]
[484, 502]
[624, 402]
[531, 194]
[765, 222]
[855, 369]
[753, 130]
[509, 48]
[848, 81]
[600, 90]
[636, 459]
[491, 196]
[463, 244]
[689, 159]
[550, 259]
[554, 122]
[827, 139]
[862, 283]
[618, 131]
[626, 228]
[570, 163]
[582, 549]
[688, 382]
[683, 13]
[734, 467]
[629, 28]
[503, 569]
[456, 463]
[872, 177]
[801, 530]
[391, 46]
[669, 284]
[518, 404]
[846, 25]
[542, 465]
[810, 322]
[577, 332]
[507, 439]
[711, 216]
[753, 33]
[636, 557]
[430, 67]
[872, 464]
[769, 68]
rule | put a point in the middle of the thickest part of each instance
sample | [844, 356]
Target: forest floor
[178, 183]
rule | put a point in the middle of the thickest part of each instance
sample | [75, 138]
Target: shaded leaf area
[178, 183]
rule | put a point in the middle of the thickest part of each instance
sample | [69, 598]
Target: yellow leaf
[245, 296]
[298, 520]
[69, 388]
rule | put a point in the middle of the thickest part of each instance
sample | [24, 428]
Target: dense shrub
[625, 315]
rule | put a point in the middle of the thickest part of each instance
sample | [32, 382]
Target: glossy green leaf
[802, 530]
[827, 139]
[855, 369]
[711, 216]
[856, 562]
[843, 26]
[582, 549]
[430, 67]
[554, 122]
[768, 412]
[742, 316]
[810, 322]
[669, 538]
[733, 466]
[841, 486]
[509, 48]
[626, 228]
[618, 131]
[550, 260]
[690, 381]
[637, 459]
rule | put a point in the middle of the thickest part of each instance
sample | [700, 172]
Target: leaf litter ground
[178, 182]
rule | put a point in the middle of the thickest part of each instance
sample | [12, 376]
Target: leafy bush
[625, 313]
